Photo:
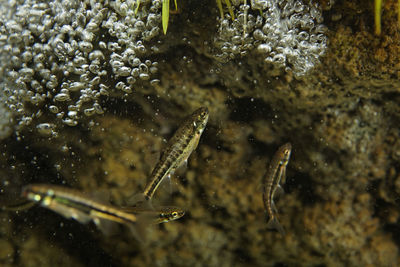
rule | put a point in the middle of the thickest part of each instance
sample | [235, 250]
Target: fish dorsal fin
[135, 199]
[278, 191]
[283, 177]
[168, 185]
[180, 170]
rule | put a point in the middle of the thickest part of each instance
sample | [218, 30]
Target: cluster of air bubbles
[6, 120]
[286, 33]
[61, 59]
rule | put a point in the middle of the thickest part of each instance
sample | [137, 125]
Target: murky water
[91, 92]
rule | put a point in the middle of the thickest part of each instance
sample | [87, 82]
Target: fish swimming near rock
[74, 204]
[271, 184]
[176, 153]
[161, 214]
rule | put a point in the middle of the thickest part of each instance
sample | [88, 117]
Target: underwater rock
[340, 205]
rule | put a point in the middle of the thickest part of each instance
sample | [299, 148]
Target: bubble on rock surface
[53, 52]
[45, 128]
[284, 32]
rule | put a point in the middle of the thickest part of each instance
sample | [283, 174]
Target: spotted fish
[271, 184]
[161, 214]
[176, 153]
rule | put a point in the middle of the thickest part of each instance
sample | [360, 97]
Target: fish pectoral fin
[273, 223]
[185, 163]
[197, 140]
[146, 205]
[139, 229]
[107, 227]
[139, 201]
[136, 200]
[273, 206]
[168, 180]
[279, 191]
[166, 184]
[171, 187]
[283, 178]
[73, 213]
[180, 170]
[170, 184]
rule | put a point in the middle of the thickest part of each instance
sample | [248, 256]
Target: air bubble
[76, 86]
[89, 111]
[136, 62]
[62, 97]
[60, 115]
[144, 76]
[303, 35]
[72, 113]
[143, 68]
[70, 122]
[120, 85]
[135, 72]
[96, 54]
[153, 69]
[130, 80]
[264, 48]
[127, 89]
[98, 108]
[45, 128]
[124, 71]
[95, 81]
[154, 82]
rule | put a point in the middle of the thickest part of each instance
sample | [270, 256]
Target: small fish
[271, 184]
[73, 204]
[177, 151]
[161, 214]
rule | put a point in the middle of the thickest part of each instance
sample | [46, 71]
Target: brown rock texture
[341, 201]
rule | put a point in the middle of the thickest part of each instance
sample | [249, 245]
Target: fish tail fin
[18, 207]
[139, 229]
[139, 200]
[273, 223]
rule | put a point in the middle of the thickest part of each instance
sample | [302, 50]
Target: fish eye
[174, 214]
